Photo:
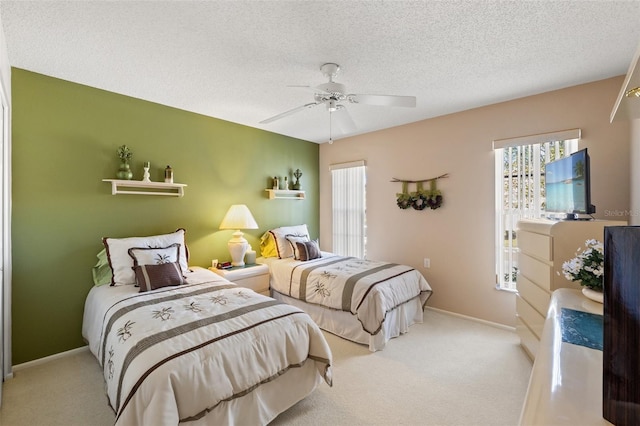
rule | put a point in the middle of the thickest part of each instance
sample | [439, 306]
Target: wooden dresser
[544, 246]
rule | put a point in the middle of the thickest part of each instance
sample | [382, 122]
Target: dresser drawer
[537, 297]
[536, 245]
[532, 318]
[536, 271]
[528, 340]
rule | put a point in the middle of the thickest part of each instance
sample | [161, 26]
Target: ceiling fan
[333, 95]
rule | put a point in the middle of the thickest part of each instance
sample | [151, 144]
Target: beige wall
[458, 238]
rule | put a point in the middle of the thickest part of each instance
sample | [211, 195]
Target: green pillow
[102, 271]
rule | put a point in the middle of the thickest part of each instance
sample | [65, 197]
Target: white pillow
[121, 263]
[155, 256]
[280, 235]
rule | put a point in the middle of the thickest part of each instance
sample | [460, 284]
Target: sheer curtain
[520, 190]
[348, 182]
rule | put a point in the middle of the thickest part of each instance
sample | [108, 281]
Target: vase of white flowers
[588, 269]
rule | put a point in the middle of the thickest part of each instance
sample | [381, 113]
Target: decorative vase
[595, 295]
[297, 174]
[124, 171]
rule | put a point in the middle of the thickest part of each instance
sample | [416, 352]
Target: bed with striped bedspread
[366, 289]
[205, 352]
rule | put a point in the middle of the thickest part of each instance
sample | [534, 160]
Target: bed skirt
[346, 325]
[264, 403]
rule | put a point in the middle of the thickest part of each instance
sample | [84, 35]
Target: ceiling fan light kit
[333, 95]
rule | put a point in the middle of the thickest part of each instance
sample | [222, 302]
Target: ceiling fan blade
[344, 121]
[291, 111]
[311, 89]
[383, 100]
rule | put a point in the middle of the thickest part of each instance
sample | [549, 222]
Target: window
[520, 191]
[348, 182]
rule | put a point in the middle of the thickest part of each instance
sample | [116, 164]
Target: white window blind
[520, 190]
[348, 182]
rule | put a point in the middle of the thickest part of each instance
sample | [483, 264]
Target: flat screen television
[568, 185]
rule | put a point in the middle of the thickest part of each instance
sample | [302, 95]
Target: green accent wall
[64, 142]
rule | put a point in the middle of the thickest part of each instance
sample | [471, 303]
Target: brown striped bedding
[174, 354]
[367, 289]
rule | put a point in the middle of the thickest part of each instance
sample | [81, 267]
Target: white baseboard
[490, 323]
[46, 359]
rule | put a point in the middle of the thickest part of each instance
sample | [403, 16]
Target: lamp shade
[238, 217]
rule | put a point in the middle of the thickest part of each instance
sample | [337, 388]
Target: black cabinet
[621, 349]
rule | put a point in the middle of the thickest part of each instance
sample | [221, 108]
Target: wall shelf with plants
[290, 194]
[137, 187]
[124, 185]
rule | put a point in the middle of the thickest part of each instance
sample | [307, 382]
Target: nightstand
[255, 277]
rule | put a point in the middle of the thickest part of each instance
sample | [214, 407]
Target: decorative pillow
[155, 256]
[292, 241]
[280, 236]
[309, 250]
[121, 263]
[268, 245]
[102, 271]
[151, 277]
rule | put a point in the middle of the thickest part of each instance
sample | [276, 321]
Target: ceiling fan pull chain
[330, 132]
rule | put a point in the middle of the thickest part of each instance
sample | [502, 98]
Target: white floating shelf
[285, 194]
[139, 187]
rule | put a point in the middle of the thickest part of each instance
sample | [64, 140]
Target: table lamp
[238, 217]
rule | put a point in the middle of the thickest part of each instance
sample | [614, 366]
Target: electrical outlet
[427, 262]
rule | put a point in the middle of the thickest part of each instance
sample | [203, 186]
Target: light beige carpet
[446, 371]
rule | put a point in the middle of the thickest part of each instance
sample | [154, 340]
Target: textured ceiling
[233, 60]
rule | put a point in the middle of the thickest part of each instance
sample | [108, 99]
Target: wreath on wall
[404, 199]
[420, 198]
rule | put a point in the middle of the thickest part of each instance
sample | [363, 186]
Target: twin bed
[193, 347]
[365, 301]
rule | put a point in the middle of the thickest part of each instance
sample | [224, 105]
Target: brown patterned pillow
[293, 240]
[151, 277]
[308, 250]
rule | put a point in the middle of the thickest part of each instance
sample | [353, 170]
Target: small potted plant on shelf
[125, 155]
[587, 268]
[297, 174]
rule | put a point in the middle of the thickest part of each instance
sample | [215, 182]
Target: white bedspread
[365, 288]
[176, 353]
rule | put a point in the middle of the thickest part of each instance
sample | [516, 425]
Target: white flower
[587, 267]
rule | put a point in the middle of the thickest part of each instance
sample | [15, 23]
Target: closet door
[5, 238]
[3, 132]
